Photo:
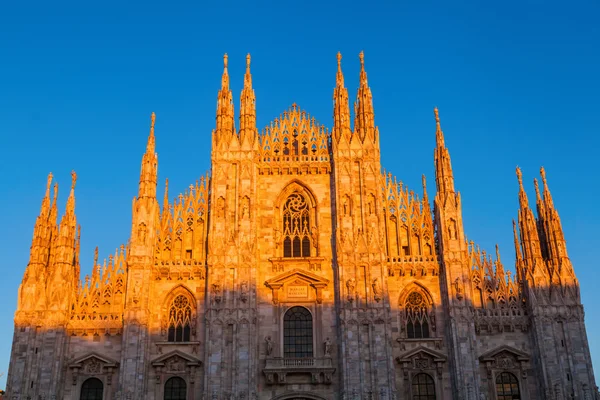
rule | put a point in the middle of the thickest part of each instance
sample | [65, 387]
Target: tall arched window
[507, 387]
[423, 387]
[296, 227]
[417, 316]
[180, 320]
[175, 389]
[297, 333]
[92, 389]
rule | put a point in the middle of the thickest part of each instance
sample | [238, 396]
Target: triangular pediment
[492, 354]
[294, 275]
[91, 358]
[422, 351]
[176, 354]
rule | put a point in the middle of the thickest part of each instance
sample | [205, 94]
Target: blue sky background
[516, 83]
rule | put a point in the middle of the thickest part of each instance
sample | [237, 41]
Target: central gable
[293, 141]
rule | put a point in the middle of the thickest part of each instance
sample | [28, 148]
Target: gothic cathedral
[296, 269]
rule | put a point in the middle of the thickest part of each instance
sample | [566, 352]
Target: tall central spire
[444, 177]
[364, 123]
[247, 107]
[149, 172]
[341, 108]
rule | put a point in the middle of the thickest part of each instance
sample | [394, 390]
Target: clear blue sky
[516, 83]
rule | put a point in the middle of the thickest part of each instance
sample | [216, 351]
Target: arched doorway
[175, 389]
[92, 389]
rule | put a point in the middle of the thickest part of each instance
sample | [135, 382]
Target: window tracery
[180, 320]
[296, 227]
[417, 316]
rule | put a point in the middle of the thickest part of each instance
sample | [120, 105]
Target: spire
[339, 78]
[518, 254]
[364, 122]
[439, 134]
[363, 73]
[150, 146]
[225, 124]
[225, 77]
[547, 195]
[444, 178]
[71, 199]
[166, 198]
[425, 197]
[149, 172]
[523, 201]
[46, 201]
[341, 109]
[247, 107]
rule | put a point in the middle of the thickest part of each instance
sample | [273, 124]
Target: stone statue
[350, 285]
[376, 289]
[277, 237]
[269, 345]
[327, 345]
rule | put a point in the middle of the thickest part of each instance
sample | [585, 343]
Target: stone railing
[319, 370]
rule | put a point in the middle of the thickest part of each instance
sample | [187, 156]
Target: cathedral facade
[296, 269]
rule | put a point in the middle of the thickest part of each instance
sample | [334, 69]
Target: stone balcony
[319, 370]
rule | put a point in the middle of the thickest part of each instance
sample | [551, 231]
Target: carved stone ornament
[175, 364]
[92, 366]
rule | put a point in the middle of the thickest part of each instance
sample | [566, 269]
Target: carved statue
[245, 207]
[244, 291]
[350, 285]
[314, 235]
[142, 233]
[327, 345]
[269, 345]
[458, 288]
[216, 290]
[277, 237]
[376, 289]
[452, 228]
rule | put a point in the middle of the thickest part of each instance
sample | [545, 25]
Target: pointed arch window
[423, 387]
[417, 316]
[175, 389]
[297, 333]
[507, 387]
[180, 320]
[296, 227]
[92, 389]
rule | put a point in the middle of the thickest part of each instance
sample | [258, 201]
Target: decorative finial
[49, 183]
[339, 58]
[497, 253]
[543, 174]
[520, 176]
[424, 183]
[248, 60]
[225, 60]
[537, 188]
[361, 57]
[152, 120]
[437, 115]
[96, 256]
[73, 179]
